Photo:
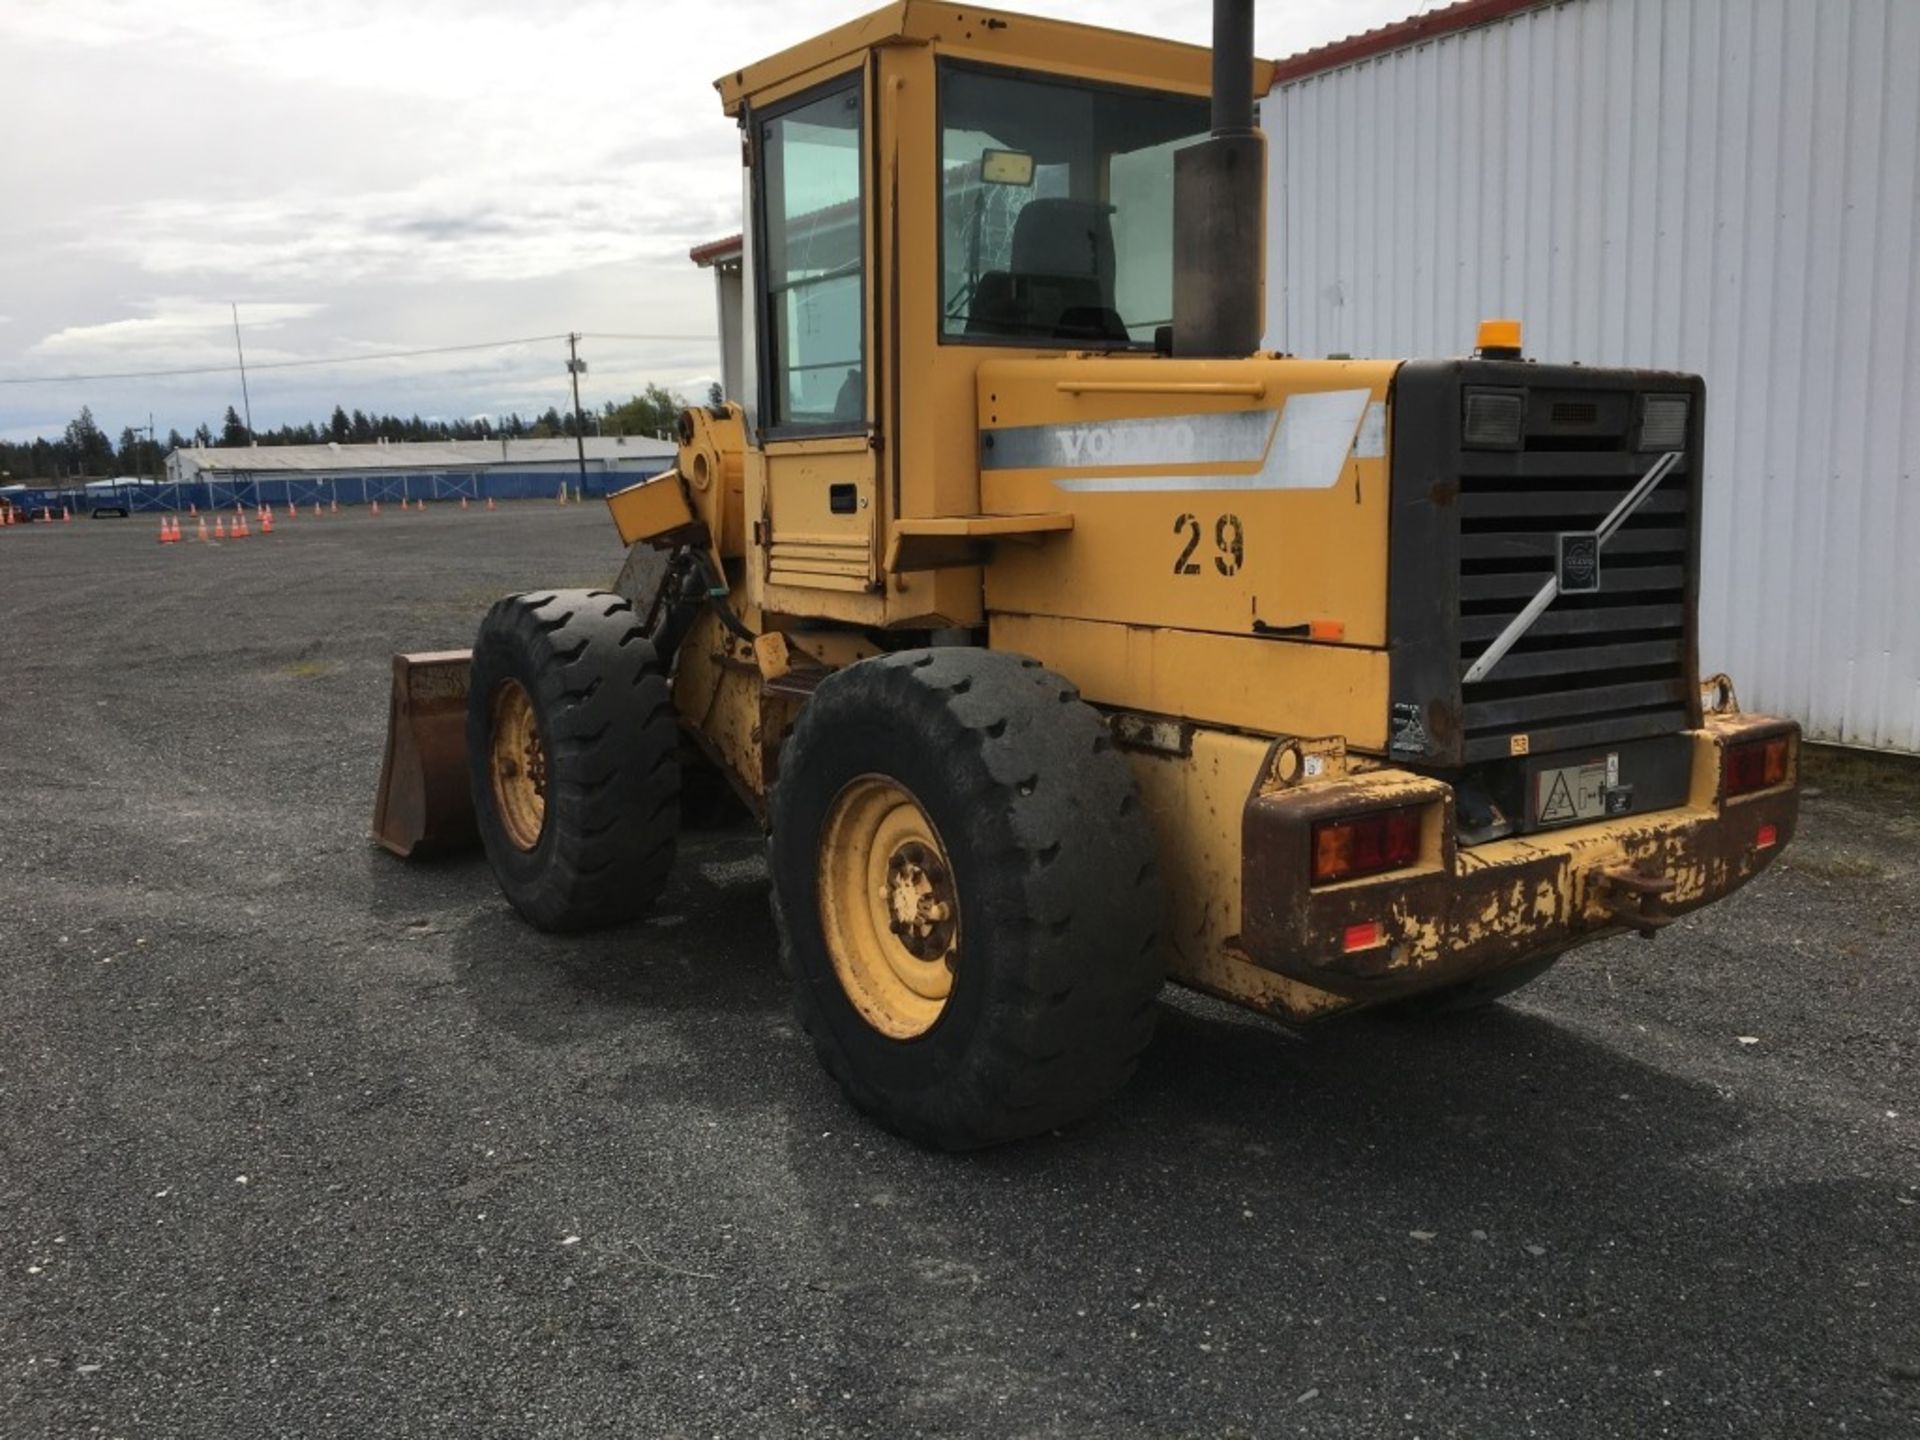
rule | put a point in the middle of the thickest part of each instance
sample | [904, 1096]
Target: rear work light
[1663, 422]
[1757, 765]
[1369, 844]
[1493, 419]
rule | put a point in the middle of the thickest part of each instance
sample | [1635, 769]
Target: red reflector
[1368, 844]
[1766, 837]
[1363, 937]
[1757, 765]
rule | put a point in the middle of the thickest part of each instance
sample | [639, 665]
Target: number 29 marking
[1229, 543]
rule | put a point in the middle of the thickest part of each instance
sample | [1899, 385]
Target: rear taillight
[1369, 936]
[1757, 765]
[1368, 844]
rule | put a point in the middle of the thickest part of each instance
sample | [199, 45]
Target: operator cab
[927, 187]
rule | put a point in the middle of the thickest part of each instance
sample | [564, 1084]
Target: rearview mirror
[1006, 167]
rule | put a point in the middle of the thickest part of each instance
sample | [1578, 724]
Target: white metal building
[1722, 186]
[604, 454]
[411, 470]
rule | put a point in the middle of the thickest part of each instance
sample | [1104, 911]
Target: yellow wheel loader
[1065, 642]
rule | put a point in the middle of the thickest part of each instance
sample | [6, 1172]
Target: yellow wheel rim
[518, 765]
[889, 910]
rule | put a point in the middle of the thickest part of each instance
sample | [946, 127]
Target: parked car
[115, 496]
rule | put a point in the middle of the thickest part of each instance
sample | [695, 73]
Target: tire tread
[1073, 1010]
[607, 719]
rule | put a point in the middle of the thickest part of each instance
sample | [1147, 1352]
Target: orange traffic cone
[335, 507]
[219, 527]
[166, 535]
[463, 502]
[66, 515]
[266, 522]
[203, 527]
[240, 529]
[376, 507]
[490, 502]
[192, 509]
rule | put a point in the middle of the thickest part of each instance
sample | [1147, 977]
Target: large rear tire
[572, 756]
[966, 893]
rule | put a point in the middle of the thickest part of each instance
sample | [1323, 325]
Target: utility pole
[152, 457]
[574, 366]
[244, 400]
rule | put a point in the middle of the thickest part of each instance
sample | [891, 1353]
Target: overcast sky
[372, 175]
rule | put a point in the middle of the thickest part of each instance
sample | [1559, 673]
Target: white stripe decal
[1308, 451]
[1372, 444]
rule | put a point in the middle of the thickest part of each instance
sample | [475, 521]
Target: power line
[331, 360]
[617, 335]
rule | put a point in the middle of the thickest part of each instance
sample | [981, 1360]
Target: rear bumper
[1463, 912]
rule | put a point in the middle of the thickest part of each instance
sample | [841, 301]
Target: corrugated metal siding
[1723, 186]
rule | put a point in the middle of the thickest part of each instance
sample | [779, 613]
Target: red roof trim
[715, 250]
[1462, 16]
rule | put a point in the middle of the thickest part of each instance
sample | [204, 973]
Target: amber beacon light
[1498, 340]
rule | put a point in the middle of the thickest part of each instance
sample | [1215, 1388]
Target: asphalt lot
[296, 1140]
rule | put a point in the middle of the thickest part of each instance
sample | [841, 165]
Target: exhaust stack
[1219, 189]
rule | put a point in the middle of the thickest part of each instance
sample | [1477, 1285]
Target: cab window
[1056, 207]
[811, 243]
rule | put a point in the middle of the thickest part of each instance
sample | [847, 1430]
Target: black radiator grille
[1594, 669]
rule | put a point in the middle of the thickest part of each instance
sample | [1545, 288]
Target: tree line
[83, 451]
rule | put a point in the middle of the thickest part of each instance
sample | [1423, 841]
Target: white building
[418, 470]
[1721, 186]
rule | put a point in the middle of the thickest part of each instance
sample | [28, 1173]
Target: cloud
[382, 176]
[433, 231]
[170, 332]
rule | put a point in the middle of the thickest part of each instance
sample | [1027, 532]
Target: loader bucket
[423, 806]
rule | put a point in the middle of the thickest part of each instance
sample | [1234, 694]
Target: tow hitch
[1635, 899]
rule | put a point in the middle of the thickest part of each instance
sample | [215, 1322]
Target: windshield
[1056, 207]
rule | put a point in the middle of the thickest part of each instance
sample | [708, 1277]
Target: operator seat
[1059, 284]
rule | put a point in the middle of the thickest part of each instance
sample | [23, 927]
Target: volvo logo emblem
[1578, 562]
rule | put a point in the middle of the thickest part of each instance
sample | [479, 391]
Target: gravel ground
[298, 1140]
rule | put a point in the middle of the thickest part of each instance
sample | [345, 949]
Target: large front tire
[967, 896]
[572, 758]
